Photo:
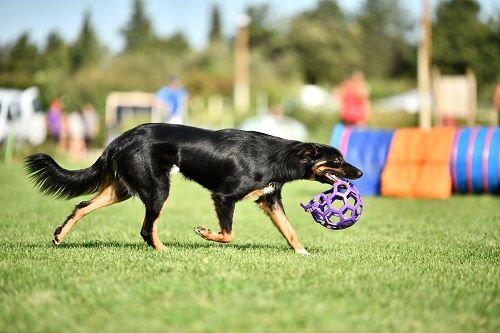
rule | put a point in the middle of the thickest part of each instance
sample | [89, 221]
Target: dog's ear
[306, 152]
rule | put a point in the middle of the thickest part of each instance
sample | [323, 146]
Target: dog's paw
[302, 252]
[56, 240]
[160, 248]
[201, 231]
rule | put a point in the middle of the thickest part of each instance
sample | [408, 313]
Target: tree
[56, 53]
[325, 43]
[461, 41]
[383, 25]
[138, 31]
[215, 26]
[23, 55]
[263, 36]
[175, 44]
[260, 34]
[495, 42]
[86, 51]
[4, 53]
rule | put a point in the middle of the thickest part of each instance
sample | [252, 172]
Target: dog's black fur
[232, 164]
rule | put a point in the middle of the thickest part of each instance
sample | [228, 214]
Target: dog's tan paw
[302, 252]
[57, 239]
[202, 231]
[160, 248]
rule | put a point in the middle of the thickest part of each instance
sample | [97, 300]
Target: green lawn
[406, 266]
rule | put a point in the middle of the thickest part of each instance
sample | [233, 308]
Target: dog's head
[324, 163]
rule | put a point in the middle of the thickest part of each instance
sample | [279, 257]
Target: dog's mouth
[328, 174]
[333, 178]
[325, 174]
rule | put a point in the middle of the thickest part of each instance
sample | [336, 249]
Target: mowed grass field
[406, 266]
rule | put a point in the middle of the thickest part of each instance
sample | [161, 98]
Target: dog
[232, 164]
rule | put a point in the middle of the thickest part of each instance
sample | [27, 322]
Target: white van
[21, 116]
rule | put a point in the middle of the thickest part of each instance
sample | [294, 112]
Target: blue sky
[39, 17]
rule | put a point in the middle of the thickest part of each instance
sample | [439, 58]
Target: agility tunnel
[475, 160]
[367, 149]
[416, 163]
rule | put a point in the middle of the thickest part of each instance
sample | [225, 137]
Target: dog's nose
[359, 174]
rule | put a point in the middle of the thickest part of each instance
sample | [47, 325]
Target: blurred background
[89, 69]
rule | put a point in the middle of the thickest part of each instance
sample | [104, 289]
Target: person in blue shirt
[171, 102]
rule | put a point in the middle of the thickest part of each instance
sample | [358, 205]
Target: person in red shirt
[354, 101]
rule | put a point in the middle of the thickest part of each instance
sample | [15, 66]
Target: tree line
[322, 45]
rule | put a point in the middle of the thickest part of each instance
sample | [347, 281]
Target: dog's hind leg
[155, 201]
[106, 197]
[273, 207]
[224, 209]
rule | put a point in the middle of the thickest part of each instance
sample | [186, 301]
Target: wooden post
[424, 60]
[241, 65]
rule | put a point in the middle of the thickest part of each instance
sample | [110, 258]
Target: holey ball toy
[337, 208]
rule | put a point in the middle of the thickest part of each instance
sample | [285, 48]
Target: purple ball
[337, 208]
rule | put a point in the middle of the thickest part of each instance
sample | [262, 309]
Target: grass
[406, 266]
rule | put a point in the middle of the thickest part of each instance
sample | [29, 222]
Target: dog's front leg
[224, 208]
[273, 207]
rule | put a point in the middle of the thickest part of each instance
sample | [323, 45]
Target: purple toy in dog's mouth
[337, 208]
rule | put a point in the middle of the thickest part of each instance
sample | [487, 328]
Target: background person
[91, 122]
[171, 102]
[353, 97]
[76, 135]
[54, 120]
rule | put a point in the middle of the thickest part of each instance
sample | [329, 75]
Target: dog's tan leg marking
[221, 237]
[277, 215]
[256, 194]
[105, 198]
[156, 243]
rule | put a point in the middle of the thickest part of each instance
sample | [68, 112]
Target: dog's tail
[51, 179]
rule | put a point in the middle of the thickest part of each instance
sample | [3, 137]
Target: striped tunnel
[366, 149]
[475, 160]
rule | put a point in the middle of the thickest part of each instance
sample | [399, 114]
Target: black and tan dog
[231, 164]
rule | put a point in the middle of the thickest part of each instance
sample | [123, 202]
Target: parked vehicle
[21, 116]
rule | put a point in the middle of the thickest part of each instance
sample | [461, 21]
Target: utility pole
[241, 65]
[424, 68]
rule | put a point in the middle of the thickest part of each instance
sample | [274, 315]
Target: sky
[191, 17]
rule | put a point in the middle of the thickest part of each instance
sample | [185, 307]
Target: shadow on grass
[242, 247]
[69, 245]
[100, 244]
[143, 246]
